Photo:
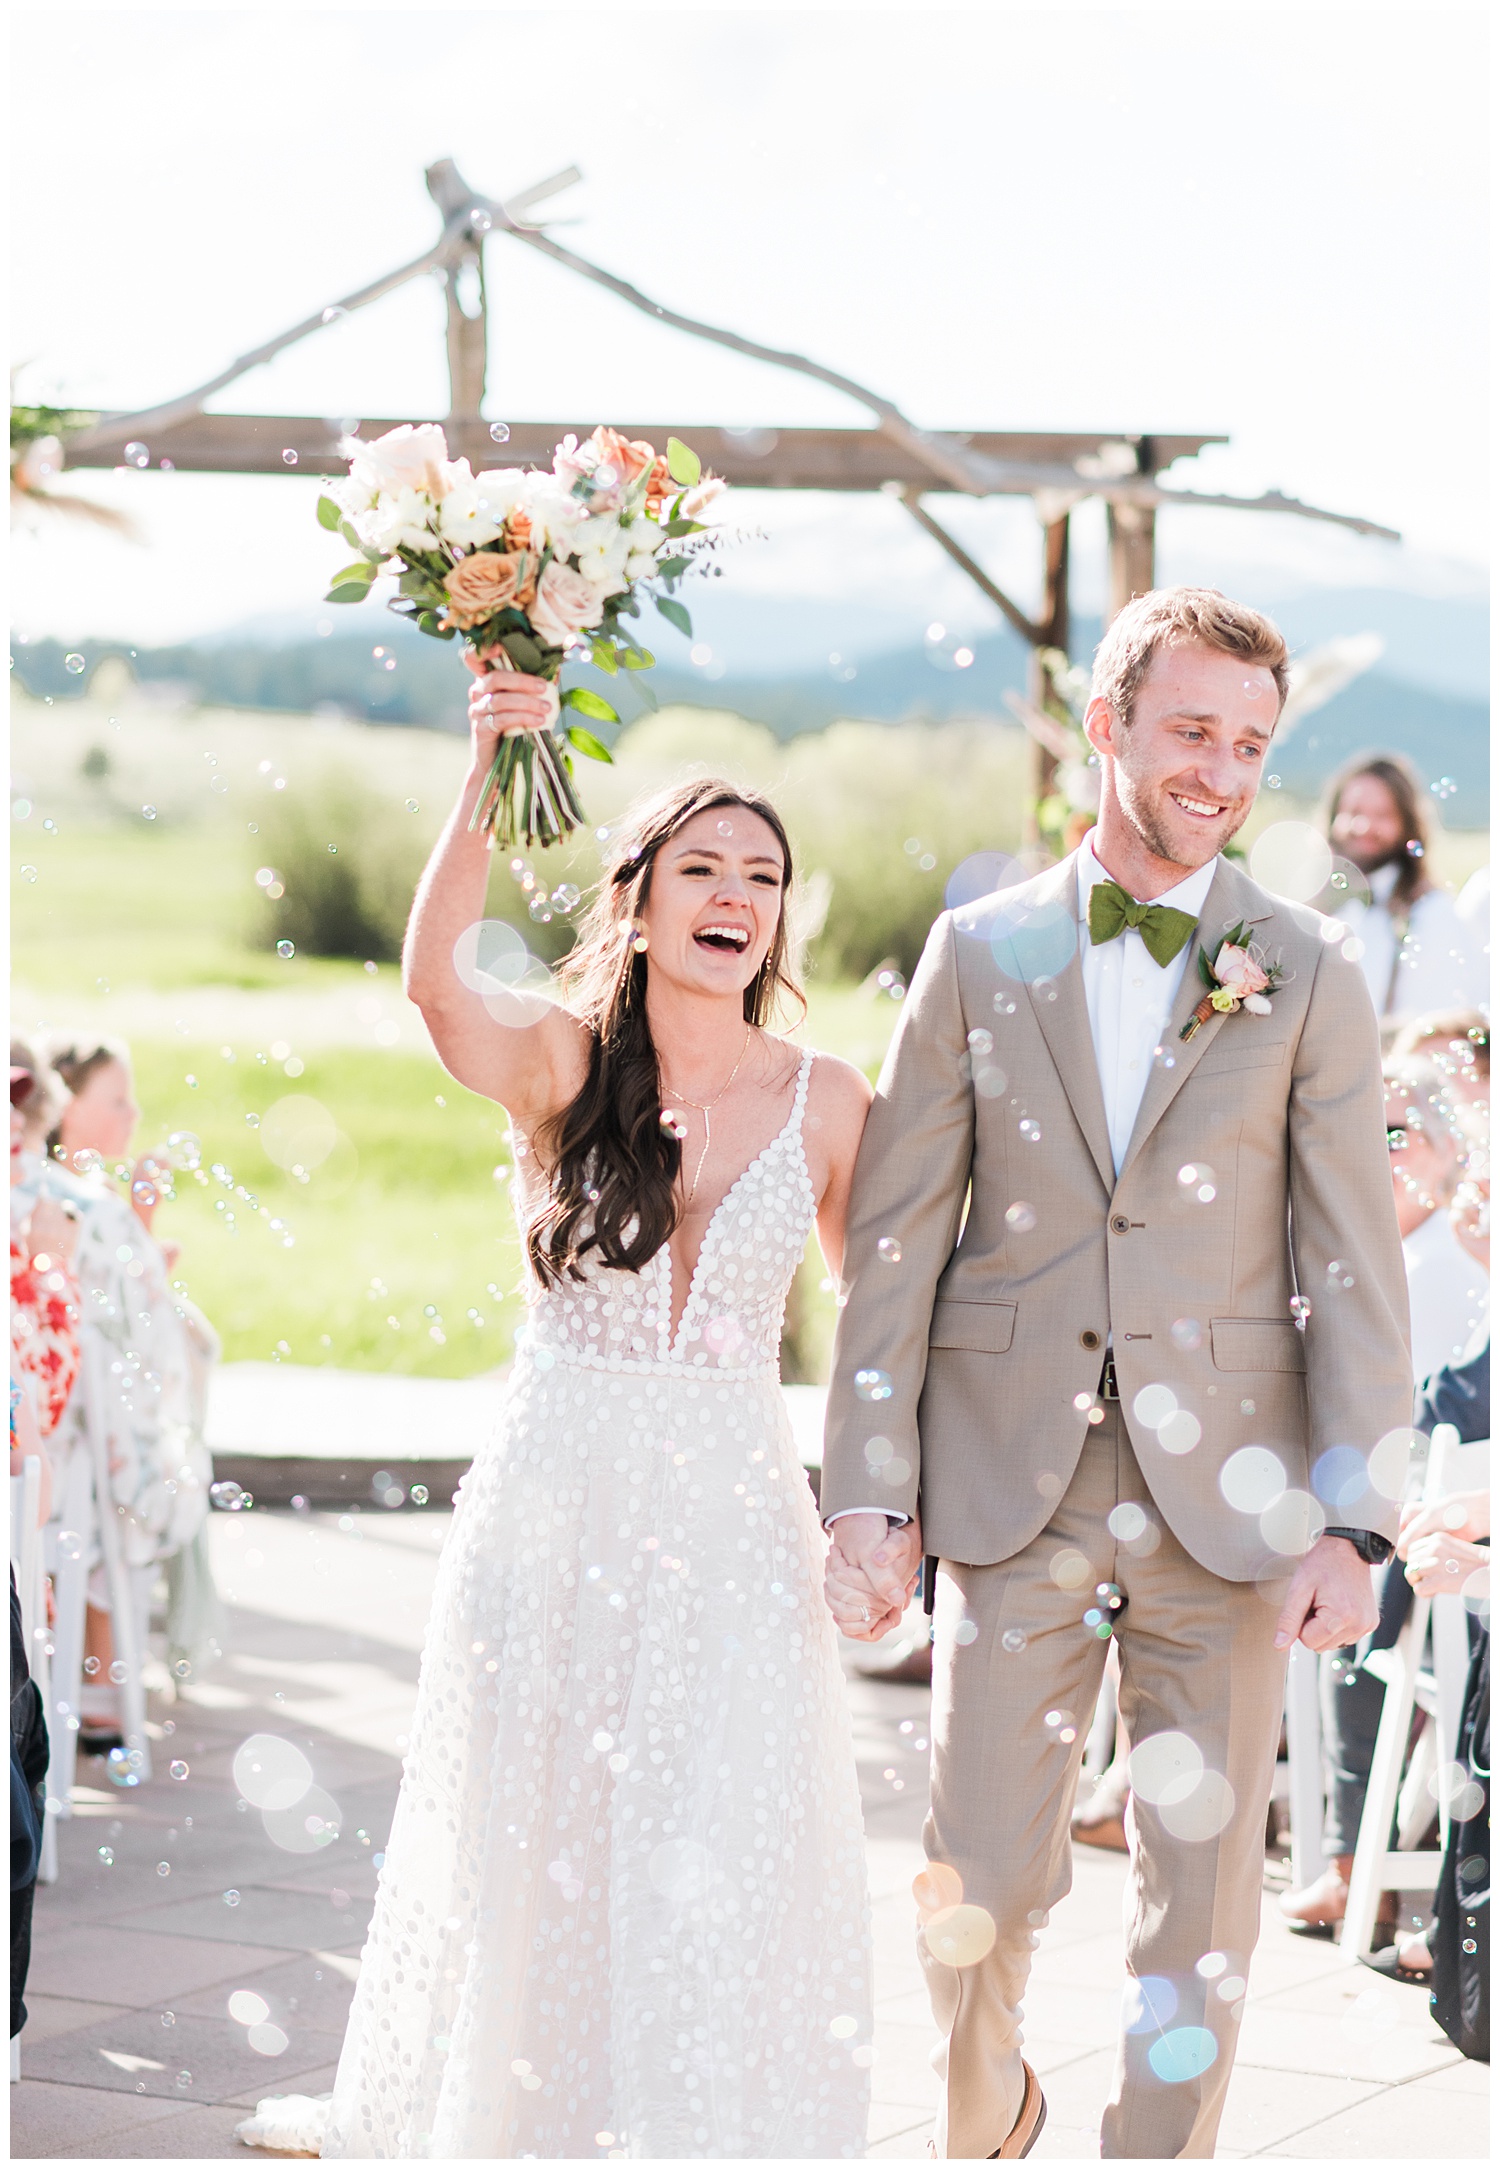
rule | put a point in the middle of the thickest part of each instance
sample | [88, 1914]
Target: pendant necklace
[705, 1108]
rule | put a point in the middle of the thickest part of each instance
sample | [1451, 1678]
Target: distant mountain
[795, 666]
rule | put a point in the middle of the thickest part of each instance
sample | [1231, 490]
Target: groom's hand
[872, 1572]
[1330, 1600]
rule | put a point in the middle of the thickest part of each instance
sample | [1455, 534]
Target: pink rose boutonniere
[1241, 976]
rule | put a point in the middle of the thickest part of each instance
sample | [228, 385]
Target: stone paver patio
[132, 2053]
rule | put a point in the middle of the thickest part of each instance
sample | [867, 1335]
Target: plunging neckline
[672, 1333]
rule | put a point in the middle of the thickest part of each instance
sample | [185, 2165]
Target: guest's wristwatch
[1373, 1549]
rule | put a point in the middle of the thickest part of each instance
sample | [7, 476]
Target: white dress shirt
[1438, 968]
[1130, 995]
[1130, 998]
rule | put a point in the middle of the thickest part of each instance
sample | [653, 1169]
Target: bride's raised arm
[534, 1064]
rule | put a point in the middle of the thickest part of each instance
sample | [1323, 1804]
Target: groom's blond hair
[1170, 617]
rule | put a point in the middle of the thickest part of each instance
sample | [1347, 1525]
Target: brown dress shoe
[1100, 1821]
[1027, 2128]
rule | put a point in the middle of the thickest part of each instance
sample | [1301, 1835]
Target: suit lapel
[1179, 1057]
[1065, 1027]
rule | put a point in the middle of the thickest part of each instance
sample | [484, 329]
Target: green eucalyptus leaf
[523, 651]
[671, 568]
[428, 622]
[588, 702]
[330, 514]
[675, 614]
[360, 571]
[605, 657]
[587, 743]
[638, 658]
[683, 463]
[350, 592]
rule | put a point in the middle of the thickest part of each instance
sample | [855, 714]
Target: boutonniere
[1240, 976]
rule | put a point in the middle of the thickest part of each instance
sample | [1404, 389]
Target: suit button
[1120, 1224]
[1089, 1339]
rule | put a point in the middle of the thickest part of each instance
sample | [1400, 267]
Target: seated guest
[1417, 951]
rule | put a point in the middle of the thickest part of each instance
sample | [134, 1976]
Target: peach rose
[518, 529]
[1237, 969]
[565, 603]
[659, 485]
[481, 584]
[626, 457]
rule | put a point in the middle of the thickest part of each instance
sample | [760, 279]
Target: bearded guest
[1418, 952]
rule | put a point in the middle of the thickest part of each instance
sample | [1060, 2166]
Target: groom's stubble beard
[1142, 811]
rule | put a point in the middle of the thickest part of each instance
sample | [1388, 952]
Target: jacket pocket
[1257, 1344]
[986, 1328]
[1241, 1052]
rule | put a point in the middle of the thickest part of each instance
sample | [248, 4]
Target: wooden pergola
[1056, 469]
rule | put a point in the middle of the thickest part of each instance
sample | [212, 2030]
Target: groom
[1126, 1321]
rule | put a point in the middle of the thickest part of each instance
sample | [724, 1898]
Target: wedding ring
[864, 1611]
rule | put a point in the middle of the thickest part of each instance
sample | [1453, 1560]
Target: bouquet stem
[528, 795]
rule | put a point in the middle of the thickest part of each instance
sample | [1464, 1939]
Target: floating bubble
[872, 1385]
[888, 1250]
[1165, 1766]
[1062, 1725]
[965, 1633]
[500, 431]
[137, 455]
[419, 1494]
[1020, 1218]
[289, 457]
[1069, 1568]
[1291, 1524]
[1179, 1433]
[1185, 2053]
[1153, 1405]
[119, 1673]
[959, 1935]
[1013, 1641]
[1340, 1274]
[1187, 1334]
[671, 1121]
[1031, 1131]
[229, 1497]
[566, 897]
[163, 1867]
[1202, 1813]
[270, 1772]
[1247, 1408]
[286, 948]
[1083, 1400]
[107, 1855]
[248, 2009]
[69, 1544]
[1252, 1479]
[184, 1151]
[179, 1770]
[843, 2028]
[28, 873]
[74, 664]
[125, 1767]
[1300, 1309]
[981, 1042]
[1292, 859]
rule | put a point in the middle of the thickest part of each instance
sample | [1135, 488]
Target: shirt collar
[1383, 882]
[1190, 895]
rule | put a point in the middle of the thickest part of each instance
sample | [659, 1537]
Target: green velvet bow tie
[1164, 931]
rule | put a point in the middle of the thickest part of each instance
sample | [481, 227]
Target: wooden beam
[1052, 631]
[467, 355]
[810, 459]
[1132, 554]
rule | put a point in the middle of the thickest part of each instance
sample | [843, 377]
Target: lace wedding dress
[623, 1909]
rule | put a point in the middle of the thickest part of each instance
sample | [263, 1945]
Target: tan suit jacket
[991, 1332]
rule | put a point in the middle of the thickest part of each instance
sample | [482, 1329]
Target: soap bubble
[179, 1770]
[672, 1122]
[1252, 1479]
[305, 1825]
[248, 2009]
[286, 948]
[959, 1935]
[500, 431]
[270, 1772]
[125, 1766]
[872, 1385]
[289, 457]
[137, 455]
[1031, 1131]
[164, 1867]
[1300, 1308]
[74, 664]
[1013, 1641]
[889, 1250]
[1020, 1218]
[107, 1855]
[229, 1497]
[965, 1633]
[1340, 1274]
[1165, 1766]
[1062, 1725]
[843, 2029]
[119, 1673]
[981, 1042]
[1029, 941]
[1187, 1334]
[1153, 1405]
[69, 1544]
[419, 1494]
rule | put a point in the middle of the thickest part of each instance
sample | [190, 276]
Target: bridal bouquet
[530, 567]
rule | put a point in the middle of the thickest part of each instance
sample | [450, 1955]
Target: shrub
[346, 865]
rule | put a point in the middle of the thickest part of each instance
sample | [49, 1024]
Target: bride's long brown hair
[614, 1167]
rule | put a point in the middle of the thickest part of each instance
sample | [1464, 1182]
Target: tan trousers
[1015, 1676]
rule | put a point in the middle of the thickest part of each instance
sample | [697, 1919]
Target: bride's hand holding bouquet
[531, 568]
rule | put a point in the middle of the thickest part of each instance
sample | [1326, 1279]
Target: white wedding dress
[624, 1907]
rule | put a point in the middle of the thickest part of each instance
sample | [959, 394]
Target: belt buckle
[1109, 1384]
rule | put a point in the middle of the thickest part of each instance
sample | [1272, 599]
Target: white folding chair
[1377, 1867]
[1304, 1764]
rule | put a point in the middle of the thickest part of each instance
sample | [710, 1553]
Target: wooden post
[1132, 554]
[1053, 631]
[467, 356]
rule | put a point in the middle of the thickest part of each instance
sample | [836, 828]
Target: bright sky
[1268, 221]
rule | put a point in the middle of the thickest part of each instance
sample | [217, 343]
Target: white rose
[402, 519]
[470, 514]
[565, 603]
[601, 556]
[404, 458]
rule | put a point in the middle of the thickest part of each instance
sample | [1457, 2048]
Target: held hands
[1330, 1600]
[871, 1574]
[1441, 1564]
[504, 703]
[1464, 1514]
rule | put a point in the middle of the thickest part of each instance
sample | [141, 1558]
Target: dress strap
[799, 1098]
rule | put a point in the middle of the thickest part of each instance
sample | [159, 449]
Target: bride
[623, 1909]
